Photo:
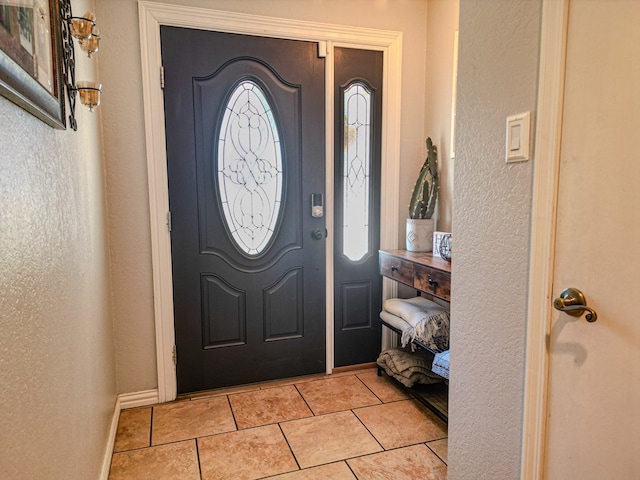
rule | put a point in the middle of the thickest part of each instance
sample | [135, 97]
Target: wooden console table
[431, 275]
[419, 270]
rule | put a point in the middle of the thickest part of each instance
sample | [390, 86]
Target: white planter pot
[420, 235]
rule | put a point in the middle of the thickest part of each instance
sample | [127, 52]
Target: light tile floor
[352, 425]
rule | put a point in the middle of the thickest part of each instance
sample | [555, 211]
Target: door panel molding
[218, 296]
[284, 300]
[553, 46]
[351, 293]
[151, 16]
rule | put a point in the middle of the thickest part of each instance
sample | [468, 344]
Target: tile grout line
[367, 387]
[233, 415]
[367, 429]
[173, 442]
[198, 457]
[304, 400]
[351, 469]
[151, 427]
[293, 454]
[435, 453]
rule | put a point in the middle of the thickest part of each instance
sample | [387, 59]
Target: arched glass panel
[357, 162]
[249, 168]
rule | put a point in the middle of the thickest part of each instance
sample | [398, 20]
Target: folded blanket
[441, 364]
[427, 321]
[408, 367]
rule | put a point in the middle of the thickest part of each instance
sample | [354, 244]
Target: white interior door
[594, 380]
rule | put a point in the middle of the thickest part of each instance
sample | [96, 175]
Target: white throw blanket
[427, 320]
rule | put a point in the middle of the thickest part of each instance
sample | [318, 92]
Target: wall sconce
[89, 94]
[82, 27]
[86, 33]
[90, 45]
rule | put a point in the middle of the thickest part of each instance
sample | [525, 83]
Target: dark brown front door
[245, 152]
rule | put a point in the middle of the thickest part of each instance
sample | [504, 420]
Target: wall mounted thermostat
[317, 207]
[518, 138]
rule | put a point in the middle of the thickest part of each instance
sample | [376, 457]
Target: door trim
[151, 16]
[553, 47]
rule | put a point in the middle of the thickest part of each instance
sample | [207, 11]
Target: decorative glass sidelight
[356, 170]
[249, 168]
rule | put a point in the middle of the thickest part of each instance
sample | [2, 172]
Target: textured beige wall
[442, 23]
[497, 77]
[125, 151]
[57, 376]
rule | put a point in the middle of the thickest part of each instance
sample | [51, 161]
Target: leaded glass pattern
[249, 168]
[356, 171]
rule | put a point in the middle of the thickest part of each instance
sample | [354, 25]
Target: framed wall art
[30, 58]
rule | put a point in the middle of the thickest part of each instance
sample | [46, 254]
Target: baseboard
[353, 368]
[111, 439]
[138, 399]
[124, 401]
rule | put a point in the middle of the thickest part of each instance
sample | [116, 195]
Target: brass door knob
[573, 302]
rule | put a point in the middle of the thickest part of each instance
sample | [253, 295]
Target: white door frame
[553, 48]
[151, 16]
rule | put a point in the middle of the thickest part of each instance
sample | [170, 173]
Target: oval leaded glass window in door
[357, 153]
[249, 168]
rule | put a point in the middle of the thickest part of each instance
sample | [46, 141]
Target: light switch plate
[518, 148]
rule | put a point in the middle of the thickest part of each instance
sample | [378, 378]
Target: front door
[245, 152]
[594, 385]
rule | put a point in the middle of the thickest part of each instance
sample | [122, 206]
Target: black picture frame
[20, 86]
